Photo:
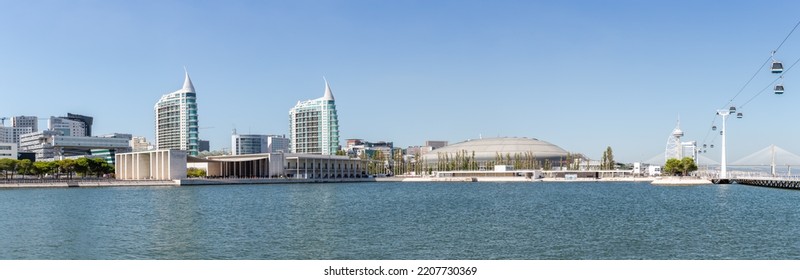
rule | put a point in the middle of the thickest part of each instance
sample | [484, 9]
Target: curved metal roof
[488, 148]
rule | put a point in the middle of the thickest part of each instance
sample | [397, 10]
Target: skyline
[578, 74]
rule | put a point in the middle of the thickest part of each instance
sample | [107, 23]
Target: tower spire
[328, 93]
[187, 83]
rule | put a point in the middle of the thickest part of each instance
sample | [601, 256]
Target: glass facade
[314, 126]
[176, 120]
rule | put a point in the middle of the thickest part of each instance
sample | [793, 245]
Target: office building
[86, 120]
[26, 121]
[176, 120]
[246, 144]
[67, 126]
[54, 144]
[314, 125]
[140, 143]
[12, 134]
[204, 146]
[8, 150]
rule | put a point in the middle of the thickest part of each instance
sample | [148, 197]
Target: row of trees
[396, 163]
[82, 166]
[681, 167]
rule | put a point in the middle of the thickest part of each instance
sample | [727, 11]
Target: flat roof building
[26, 121]
[173, 164]
[8, 150]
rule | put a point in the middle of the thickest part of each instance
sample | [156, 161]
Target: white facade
[140, 144]
[53, 144]
[8, 150]
[654, 170]
[314, 126]
[176, 120]
[12, 134]
[26, 121]
[151, 165]
[172, 165]
[67, 126]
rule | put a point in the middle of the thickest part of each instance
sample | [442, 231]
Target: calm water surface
[402, 221]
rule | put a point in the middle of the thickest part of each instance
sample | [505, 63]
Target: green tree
[8, 165]
[66, 166]
[682, 167]
[195, 172]
[24, 166]
[688, 166]
[82, 166]
[96, 166]
[672, 167]
[607, 161]
[42, 167]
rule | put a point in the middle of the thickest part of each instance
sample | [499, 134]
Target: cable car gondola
[712, 146]
[704, 145]
[732, 110]
[714, 127]
[777, 67]
[739, 115]
[779, 89]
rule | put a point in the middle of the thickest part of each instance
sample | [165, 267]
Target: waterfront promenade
[91, 182]
[82, 183]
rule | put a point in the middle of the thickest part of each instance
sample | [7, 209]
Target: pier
[783, 183]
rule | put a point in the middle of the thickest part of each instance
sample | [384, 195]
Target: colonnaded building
[176, 119]
[173, 164]
[314, 125]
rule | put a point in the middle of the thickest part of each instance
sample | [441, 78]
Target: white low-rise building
[8, 150]
[166, 165]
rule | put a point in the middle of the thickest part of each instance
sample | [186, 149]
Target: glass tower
[314, 126]
[176, 120]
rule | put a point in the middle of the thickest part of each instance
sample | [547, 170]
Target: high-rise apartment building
[176, 120]
[314, 125]
[26, 121]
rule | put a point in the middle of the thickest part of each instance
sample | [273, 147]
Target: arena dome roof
[487, 148]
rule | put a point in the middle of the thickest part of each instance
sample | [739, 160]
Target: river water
[526, 221]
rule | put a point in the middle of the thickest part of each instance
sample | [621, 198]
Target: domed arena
[489, 149]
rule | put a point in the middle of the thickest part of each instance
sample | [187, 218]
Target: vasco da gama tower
[314, 126]
[176, 119]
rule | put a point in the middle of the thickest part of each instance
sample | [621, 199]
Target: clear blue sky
[580, 74]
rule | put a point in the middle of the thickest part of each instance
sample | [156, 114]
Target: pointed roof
[187, 83]
[328, 94]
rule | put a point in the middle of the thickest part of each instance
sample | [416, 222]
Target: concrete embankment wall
[84, 184]
[198, 182]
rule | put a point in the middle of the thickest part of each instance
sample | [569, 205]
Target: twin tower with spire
[313, 124]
